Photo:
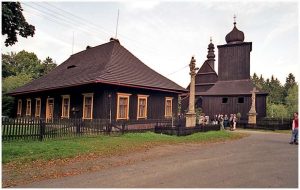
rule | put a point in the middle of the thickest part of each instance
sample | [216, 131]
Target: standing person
[225, 121]
[234, 120]
[231, 121]
[221, 121]
[294, 138]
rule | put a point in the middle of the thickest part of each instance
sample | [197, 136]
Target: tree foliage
[292, 99]
[282, 100]
[10, 83]
[14, 23]
[19, 69]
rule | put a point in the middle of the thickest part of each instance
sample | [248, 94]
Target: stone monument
[191, 114]
[252, 113]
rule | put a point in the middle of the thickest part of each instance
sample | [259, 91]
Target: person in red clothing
[294, 138]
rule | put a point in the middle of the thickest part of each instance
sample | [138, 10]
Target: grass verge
[27, 151]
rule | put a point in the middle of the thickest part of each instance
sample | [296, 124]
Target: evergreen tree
[289, 83]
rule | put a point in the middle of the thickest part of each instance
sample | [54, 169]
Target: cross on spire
[234, 19]
[210, 39]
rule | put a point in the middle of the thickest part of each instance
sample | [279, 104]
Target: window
[28, 107]
[168, 106]
[123, 106]
[49, 109]
[38, 107]
[19, 110]
[88, 106]
[224, 100]
[240, 100]
[142, 106]
[65, 106]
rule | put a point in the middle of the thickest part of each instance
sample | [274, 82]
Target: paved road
[260, 160]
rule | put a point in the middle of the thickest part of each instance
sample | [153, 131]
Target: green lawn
[27, 151]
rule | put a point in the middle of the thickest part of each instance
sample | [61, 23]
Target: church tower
[234, 57]
[206, 76]
[211, 55]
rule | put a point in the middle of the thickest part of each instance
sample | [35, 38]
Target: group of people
[224, 121]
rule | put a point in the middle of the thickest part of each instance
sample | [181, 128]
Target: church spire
[211, 55]
[234, 19]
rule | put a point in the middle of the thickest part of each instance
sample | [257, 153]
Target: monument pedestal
[190, 120]
[252, 118]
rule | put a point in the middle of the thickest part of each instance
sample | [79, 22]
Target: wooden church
[227, 92]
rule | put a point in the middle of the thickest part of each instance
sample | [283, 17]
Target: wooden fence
[41, 129]
[267, 124]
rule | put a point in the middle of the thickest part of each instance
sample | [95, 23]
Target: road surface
[263, 159]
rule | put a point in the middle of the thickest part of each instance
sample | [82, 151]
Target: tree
[27, 63]
[292, 100]
[258, 82]
[10, 83]
[276, 111]
[289, 83]
[19, 69]
[8, 64]
[47, 65]
[14, 23]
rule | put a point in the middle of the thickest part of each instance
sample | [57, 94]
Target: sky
[165, 35]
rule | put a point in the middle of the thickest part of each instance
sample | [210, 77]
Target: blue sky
[164, 34]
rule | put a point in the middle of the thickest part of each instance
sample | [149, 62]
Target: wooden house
[103, 82]
[227, 92]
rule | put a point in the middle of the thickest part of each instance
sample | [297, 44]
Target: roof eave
[98, 81]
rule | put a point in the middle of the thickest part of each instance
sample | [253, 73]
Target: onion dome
[235, 36]
[211, 55]
[211, 47]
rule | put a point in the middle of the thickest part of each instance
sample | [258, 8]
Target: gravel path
[263, 159]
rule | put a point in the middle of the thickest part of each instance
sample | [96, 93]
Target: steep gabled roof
[206, 68]
[206, 75]
[232, 87]
[109, 63]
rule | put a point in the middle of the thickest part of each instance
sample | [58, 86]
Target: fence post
[42, 129]
[123, 128]
[78, 127]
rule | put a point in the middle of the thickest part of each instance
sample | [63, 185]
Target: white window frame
[145, 97]
[63, 115]
[36, 100]
[123, 95]
[19, 109]
[168, 99]
[47, 108]
[28, 113]
[88, 95]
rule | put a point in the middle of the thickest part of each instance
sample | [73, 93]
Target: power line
[59, 20]
[177, 70]
[82, 20]
[87, 22]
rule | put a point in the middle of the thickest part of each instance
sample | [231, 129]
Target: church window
[224, 100]
[240, 100]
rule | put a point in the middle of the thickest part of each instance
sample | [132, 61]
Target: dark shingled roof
[231, 87]
[109, 63]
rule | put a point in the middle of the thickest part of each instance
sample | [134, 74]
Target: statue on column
[191, 115]
[252, 113]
